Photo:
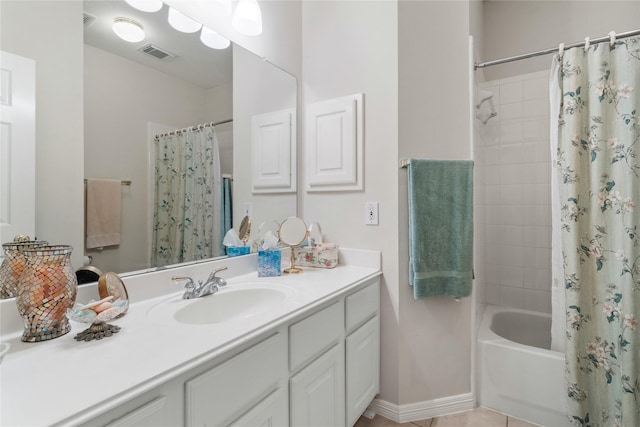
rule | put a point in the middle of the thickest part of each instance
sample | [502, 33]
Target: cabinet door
[317, 392]
[363, 368]
[271, 412]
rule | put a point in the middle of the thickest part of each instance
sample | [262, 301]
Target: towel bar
[123, 182]
[404, 163]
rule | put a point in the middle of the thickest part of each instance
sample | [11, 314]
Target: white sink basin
[234, 301]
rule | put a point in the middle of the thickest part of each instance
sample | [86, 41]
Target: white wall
[59, 126]
[517, 27]
[435, 345]
[121, 98]
[351, 47]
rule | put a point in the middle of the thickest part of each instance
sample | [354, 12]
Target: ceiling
[194, 62]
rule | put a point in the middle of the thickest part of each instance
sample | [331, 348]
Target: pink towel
[104, 202]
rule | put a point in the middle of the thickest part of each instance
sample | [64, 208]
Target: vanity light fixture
[146, 5]
[212, 39]
[128, 29]
[182, 22]
[247, 18]
[218, 7]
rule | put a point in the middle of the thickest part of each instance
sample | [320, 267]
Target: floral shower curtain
[188, 203]
[598, 161]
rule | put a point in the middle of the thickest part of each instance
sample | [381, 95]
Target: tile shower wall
[512, 154]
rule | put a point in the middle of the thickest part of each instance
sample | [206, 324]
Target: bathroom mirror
[293, 231]
[124, 103]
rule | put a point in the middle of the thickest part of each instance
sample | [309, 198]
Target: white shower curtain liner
[558, 312]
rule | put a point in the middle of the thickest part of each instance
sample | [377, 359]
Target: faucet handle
[212, 276]
[190, 283]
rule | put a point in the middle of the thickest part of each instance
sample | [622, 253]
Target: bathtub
[518, 374]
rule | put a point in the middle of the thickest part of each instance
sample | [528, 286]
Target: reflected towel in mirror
[103, 212]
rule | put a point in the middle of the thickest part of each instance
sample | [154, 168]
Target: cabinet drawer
[309, 337]
[362, 305]
[153, 413]
[225, 392]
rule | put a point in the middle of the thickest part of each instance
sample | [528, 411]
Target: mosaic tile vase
[13, 265]
[47, 288]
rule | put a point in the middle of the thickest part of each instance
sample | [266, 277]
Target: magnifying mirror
[245, 229]
[292, 233]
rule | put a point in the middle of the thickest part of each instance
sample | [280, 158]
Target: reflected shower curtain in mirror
[598, 161]
[187, 214]
[227, 216]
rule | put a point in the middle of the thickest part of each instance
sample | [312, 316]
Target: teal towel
[440, 227]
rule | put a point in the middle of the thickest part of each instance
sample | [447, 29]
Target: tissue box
[320, 255]
[269, 261]
[238, 250]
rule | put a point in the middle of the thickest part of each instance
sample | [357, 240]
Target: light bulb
[247, 18]
[146, 5]
[213, 40]
[182, 22]
[128, 29]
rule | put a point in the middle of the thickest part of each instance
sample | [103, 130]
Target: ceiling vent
[156, 52]
[87, 19]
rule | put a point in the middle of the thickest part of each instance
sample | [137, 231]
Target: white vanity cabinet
[343, 340]
[318, 368]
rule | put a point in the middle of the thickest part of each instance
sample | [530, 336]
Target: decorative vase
[47, 288]
[13, 264]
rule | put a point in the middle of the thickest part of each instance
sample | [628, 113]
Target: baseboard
[423, 410]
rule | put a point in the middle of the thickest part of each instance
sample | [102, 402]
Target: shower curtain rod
[553, 50]
[204, 125]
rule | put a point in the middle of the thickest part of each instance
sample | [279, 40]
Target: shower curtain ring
[586, 44]
[561, 50]
[612, 38]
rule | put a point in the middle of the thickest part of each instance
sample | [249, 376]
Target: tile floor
[479, 417]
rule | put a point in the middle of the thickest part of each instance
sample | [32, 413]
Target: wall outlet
[248, 209]
[371, 213]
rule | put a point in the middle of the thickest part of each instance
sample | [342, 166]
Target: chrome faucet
[211, 286]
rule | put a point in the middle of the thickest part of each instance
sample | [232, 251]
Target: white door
[17, 146]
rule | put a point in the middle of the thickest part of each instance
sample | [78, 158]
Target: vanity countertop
[50, 383]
